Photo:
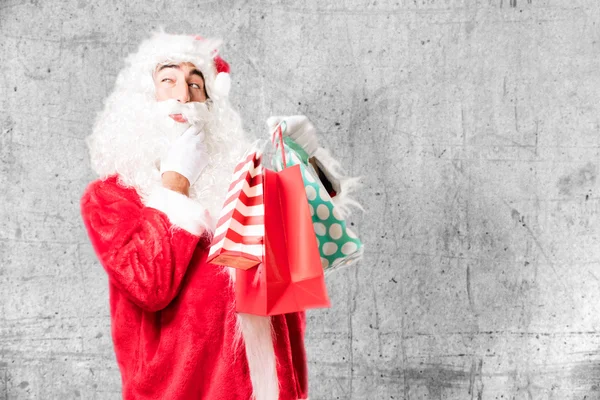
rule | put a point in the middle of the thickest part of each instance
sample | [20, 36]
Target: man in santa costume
[165, 147]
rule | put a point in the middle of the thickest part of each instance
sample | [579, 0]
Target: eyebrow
[192, 72]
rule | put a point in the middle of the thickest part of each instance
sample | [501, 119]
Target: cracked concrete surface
[475, 126]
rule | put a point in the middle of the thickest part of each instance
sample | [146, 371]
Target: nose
[182, 92]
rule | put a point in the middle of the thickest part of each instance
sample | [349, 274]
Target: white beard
[135, 132]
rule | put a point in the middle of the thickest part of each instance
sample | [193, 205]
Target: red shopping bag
[290, 277]
[238, 238]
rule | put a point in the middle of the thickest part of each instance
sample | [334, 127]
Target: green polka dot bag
[338, 245]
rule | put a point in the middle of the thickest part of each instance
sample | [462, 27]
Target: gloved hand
[187, 156]
[299, 129]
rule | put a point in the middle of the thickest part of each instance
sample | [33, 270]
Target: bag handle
[278, 134]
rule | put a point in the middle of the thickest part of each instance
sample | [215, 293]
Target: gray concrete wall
[476, 127]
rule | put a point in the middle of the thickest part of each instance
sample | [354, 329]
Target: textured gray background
[475, 125]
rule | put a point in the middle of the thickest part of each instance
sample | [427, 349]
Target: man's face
[181, 82]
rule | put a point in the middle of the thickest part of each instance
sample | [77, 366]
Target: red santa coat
[175, 331]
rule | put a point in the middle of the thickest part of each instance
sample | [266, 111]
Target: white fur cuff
[181, 210]
[343, 185]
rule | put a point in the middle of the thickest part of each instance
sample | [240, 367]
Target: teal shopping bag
[338, 244]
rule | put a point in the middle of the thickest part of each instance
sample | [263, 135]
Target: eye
[166, 80]
[195, 85]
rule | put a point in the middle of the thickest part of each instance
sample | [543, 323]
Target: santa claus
[164, 147]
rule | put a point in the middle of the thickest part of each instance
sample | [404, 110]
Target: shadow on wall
[439, 378]
[586, 376]
[579, 180]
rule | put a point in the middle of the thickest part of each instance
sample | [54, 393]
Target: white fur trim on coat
[182, 211]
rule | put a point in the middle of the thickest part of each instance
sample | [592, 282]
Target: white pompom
[222, 84]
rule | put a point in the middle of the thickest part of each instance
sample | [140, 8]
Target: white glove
[299, 129]
[187, 156]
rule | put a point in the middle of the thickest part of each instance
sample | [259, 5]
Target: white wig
[126, 141]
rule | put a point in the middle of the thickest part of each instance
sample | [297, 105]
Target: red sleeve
[144, 253]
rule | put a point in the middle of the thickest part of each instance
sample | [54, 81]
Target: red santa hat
[222, 83]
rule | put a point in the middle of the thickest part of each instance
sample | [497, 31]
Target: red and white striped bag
[239, 236]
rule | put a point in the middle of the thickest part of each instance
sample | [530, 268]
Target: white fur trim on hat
[222, 84]
[182, 211]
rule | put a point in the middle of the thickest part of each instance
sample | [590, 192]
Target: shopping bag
[238, 237]
[338, 245]
[290, 278]
[266, 221]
